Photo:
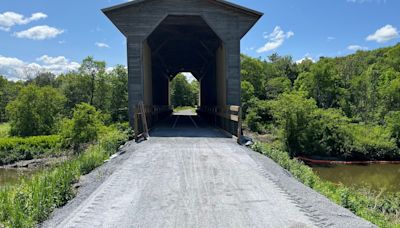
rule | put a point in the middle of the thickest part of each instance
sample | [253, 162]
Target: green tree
[3, 99]
[293, 112]
[44, 79]
[393, 123]
[277, 86]
[35, 111]
[254, 71]
[82, 128]
[182, 92]
[119, 94]
[94, 70]
[8, 92]
[76, 87]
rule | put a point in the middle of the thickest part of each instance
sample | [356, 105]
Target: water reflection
[375, 176]
[11, 176]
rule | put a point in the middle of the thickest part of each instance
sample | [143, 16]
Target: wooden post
[136, 122]
[144, 120]
[239, 131]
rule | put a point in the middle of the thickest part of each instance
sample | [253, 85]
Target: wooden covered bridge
[166, 37]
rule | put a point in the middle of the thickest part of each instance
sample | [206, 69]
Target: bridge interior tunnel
[184, 44]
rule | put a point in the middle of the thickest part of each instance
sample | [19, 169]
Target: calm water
[11, 176]
[376, 176]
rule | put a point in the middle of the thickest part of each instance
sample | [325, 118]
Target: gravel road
[193, 176]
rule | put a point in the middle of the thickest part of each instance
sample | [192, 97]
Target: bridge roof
[224, 3]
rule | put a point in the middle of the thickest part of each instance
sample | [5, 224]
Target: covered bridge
[166, 37]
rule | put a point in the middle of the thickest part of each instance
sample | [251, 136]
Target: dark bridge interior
[184, 44]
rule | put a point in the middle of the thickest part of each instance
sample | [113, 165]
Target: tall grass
[33, 200]
[383, 211]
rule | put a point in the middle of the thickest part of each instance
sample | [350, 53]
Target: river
[375, 176]
[12, 176]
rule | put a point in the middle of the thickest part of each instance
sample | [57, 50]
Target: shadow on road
[186, 124]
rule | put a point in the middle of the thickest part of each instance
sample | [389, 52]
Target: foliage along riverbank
[33, 200]
[344, 107]
[15, 149]
[382, 210]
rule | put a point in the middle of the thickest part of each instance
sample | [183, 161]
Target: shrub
[82, 128]
[4, 130]
[293, 113]
[15, 149]
[393, 123]
[35, 111]
[372, 142]
[328, 134]
[259, 116]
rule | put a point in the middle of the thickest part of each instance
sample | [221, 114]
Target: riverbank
[382, 210]
[337, 161]
[30, 202]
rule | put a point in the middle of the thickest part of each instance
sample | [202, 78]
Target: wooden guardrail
[228, 117]
[145, 116]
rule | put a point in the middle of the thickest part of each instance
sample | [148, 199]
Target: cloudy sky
[56, 35]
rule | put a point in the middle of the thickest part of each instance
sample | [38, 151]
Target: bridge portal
[165, 37]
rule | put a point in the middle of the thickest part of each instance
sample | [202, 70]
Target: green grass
[31, 202]
[4, 130]
[180, 109]
[383, 211]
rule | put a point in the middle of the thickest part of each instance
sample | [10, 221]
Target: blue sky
[56, 35]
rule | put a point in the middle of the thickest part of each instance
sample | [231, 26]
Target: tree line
[345, 107]
[37, 106]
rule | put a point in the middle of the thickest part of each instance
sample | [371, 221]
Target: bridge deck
[191, 175]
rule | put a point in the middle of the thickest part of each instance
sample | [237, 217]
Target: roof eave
[221, 2]
[239, 7]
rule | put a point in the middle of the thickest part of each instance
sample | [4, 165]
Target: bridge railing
[228, 117]
[152, 113]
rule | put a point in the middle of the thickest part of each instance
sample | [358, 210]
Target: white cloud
[306, 57]
[16, 69]
[356, 47]
[102, 45]
[275, 39]
[41, 32]
[384, 34]
[330, 38]
[9, 19]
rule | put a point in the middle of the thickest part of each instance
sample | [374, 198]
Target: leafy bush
[293, 113]
[372, 142]
[33, 200]
[393, 123]
[82, 128]
[259, 116]
[15, 149]
[35, 111]
[4, 130]
[328, 134]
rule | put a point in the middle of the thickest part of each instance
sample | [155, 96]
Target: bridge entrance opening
[184, 44]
